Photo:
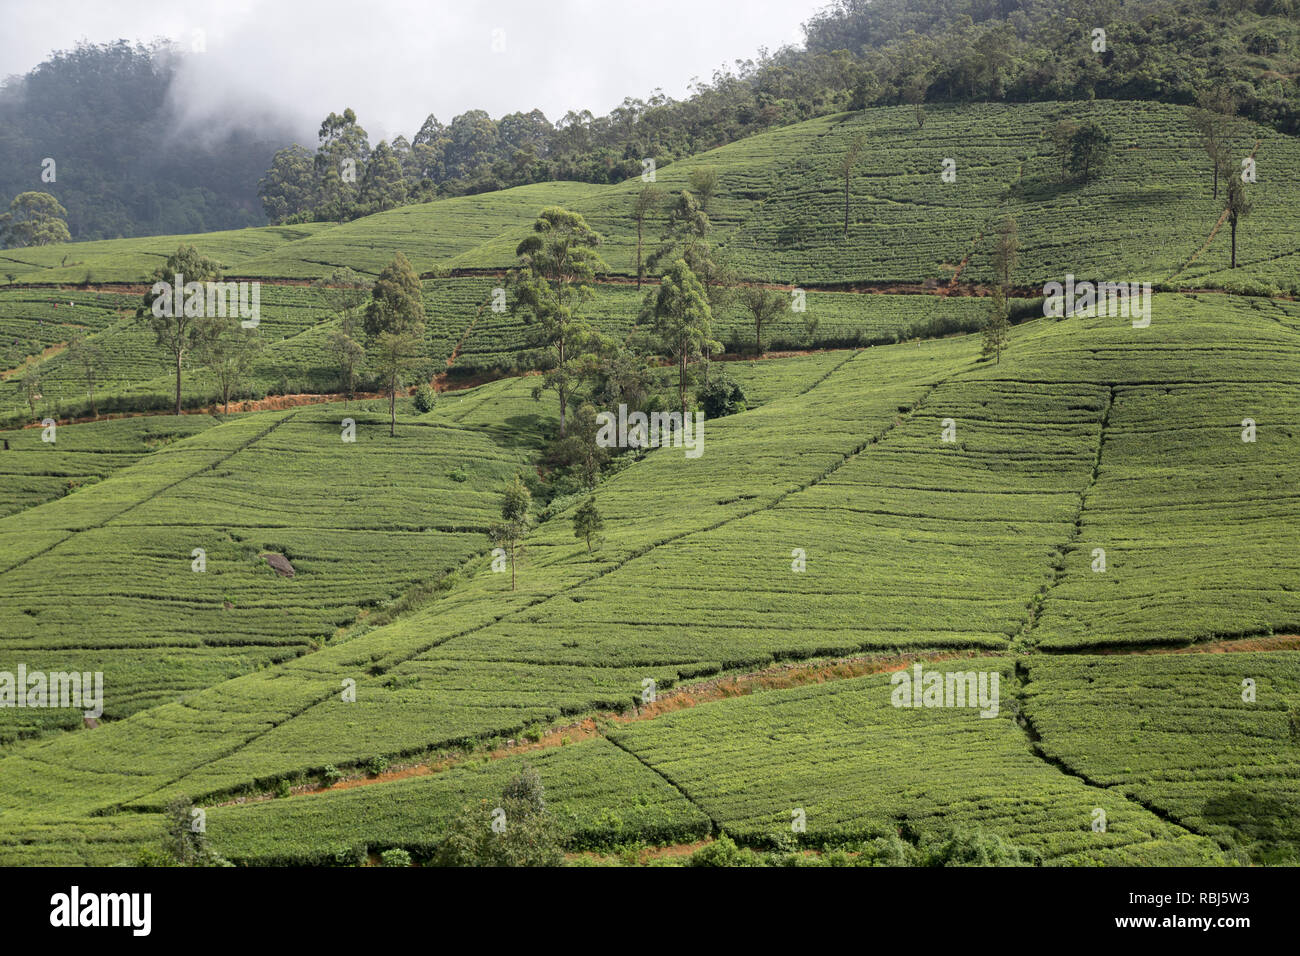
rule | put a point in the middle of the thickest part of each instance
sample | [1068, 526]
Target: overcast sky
[396, 61]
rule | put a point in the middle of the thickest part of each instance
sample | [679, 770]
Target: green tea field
[926, 576]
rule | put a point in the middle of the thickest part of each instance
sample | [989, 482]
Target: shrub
[426, 397]
[377, 765]
[722, 396]
[332, 775]
[519, 832]
[526, 788]
[395, 857]
[888, 851]
[527, 837]
[723, 852]
[974, 847]
[354, 855]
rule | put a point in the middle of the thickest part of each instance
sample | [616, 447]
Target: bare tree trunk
[178, 381]
[563, 397]
[1234, 241]
[681, 383]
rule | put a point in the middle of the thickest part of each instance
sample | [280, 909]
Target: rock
[279, 563]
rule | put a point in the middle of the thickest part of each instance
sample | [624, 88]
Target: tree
[1061, 134]
[1238, 208]
[845, 167]
[515, 520]
[340, 163]
[344, 293]
[687, 239]
[31, 385]
[646, 201]
[179, 333]
[763, 305]
[704, 183]
[384, 186]
[472, 139]
[519, 831]
[185, 843]
[913, 94]
[34, 219]
[682, 320]
[587, 522]
[394, 325]
[996, 327]
[1090, 148]
[1215, 119]
[579, 449]
[557, 265]
[228, 351]
[1006, 250]
[866, 90]
[289, 187]
[90, 358]
[394, 355]
[623, 374]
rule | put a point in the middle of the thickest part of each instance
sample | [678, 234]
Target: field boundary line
[1034, 739]
[1039, 598]
[150, 497]
[379, 670]
[715, 825]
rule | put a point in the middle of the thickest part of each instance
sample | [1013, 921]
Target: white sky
[395, 61]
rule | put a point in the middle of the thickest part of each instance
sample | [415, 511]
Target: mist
[286, 65]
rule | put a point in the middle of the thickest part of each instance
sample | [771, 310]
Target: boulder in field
[279, 563]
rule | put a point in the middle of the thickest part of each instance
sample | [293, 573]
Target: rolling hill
[891, 498]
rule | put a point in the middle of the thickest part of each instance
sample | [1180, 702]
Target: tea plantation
[1085, 519]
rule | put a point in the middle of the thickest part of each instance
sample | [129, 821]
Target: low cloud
[396, 61]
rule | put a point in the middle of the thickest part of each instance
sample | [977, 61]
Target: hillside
[1057, 453]
[1100, 517]
[1150, 215]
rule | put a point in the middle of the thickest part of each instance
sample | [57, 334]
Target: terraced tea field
[237, 491]
[279, 612]
[909, 544]
[33, 470]
[1182, 735]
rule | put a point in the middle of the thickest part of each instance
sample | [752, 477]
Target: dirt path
[455, 352]
[47, 353]
[780, 677]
